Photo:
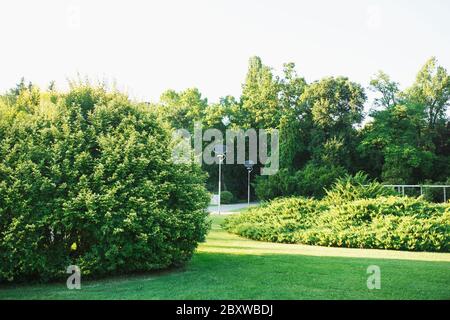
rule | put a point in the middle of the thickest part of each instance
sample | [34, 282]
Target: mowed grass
[229, 267]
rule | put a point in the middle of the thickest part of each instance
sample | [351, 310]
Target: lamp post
[220, 151]
[249, 166]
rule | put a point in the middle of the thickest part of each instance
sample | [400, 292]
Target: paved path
[230, 208]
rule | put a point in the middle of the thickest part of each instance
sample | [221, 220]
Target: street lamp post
[249, 166]
[220, 151]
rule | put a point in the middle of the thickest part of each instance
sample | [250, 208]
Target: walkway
[230, 208]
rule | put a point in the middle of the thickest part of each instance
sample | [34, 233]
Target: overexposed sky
[151, 46]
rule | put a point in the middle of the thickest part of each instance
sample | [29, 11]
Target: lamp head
[249, 165]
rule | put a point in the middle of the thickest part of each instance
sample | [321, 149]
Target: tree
[336, 106]
[182, 109]
[259, 107]
[295, 122]
[432, 91]
[336, 103]
[388, 89]
[407, 141]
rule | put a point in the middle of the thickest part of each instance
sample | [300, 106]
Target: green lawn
[230, 267]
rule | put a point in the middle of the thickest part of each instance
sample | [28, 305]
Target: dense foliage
[310, 181]
[86, 176]
[359, 186]
[86, 179]
[351, 215]
[405, 139]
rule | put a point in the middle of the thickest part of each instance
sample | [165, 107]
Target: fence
[401, 188]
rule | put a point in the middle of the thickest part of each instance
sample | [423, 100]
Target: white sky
[151, 46]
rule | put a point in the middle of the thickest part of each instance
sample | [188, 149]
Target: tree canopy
[401, 136]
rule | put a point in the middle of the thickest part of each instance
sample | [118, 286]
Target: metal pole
[220, 180]
[248, 187]
[445, 196]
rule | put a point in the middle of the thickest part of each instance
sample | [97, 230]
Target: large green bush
[363, 219]
[92, 184]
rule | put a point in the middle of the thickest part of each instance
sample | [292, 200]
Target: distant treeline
[324, 131]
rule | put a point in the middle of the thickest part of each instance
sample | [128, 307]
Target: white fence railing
[401, 188]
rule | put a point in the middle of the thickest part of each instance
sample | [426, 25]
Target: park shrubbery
[362, 219]
[276, 221]
[311, 181]
[89, 181]
[226, 197]
[359, 186]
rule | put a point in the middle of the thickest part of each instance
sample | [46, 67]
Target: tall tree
[394, 147]
[387, 88]
[295, 122]
[408, 139]
[336, 106]
[183, 108]
[432, 91]
[259, 107]
[335, 102]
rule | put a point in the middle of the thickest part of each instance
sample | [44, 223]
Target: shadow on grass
[275, 276]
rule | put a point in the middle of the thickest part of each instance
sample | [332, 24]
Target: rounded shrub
[93, 185]
[226, 197]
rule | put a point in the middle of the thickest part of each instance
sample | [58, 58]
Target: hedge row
[383, 222]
